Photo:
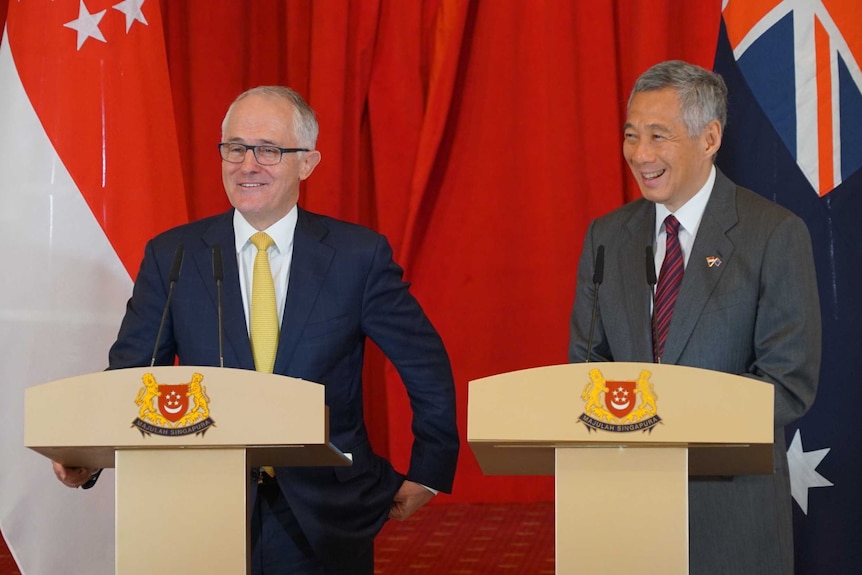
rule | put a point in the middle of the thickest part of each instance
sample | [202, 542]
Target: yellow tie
[264, 314]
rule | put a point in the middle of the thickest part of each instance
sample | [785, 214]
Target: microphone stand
[218, 276]
[651, 281]
[174, 276]
[598, 276]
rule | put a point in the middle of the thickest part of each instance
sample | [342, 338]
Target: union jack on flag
[801, 60]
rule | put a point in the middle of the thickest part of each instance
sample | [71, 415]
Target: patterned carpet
[455, 539]
[462, 539]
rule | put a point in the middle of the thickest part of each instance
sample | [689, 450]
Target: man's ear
[309, 162]
[712, 138]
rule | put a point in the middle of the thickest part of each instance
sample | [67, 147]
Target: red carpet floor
[469, 540]
[455, 539]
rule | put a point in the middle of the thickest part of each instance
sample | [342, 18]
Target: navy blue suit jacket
[344, 287]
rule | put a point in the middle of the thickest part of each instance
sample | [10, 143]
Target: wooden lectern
[183, 440]
[621, 440]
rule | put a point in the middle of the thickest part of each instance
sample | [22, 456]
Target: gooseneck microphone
[650, 274]
[218, 276]
[598, 276]
[651, 280]
[173, 277]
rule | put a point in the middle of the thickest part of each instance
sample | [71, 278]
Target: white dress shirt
[280, 256]
[688, 216]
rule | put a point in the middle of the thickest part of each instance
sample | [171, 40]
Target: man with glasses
[335, 285]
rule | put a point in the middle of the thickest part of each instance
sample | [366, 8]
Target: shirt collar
[281, 231]
[690, 214]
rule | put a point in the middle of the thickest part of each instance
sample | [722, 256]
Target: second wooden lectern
[182, 440]
[621, 440]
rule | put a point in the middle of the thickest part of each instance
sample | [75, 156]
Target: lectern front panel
[622, 510]
[181, 511]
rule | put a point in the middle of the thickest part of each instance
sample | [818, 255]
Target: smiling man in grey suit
[335, 286]
[747, 302]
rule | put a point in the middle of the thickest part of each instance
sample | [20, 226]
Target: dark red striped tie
[668, 287]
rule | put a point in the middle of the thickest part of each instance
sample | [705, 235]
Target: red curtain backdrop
[480, 137]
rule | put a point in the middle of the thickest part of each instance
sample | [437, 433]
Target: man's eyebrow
[656, 127]
[243, 141]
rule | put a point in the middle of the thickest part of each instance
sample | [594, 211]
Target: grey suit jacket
[756, 314]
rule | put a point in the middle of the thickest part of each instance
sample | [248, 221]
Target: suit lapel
[308, 269]
[233, 314]
[636, 293]
[700, 279]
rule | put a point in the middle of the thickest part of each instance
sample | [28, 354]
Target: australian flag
[794, 135]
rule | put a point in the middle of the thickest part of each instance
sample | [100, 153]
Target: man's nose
[249, 161]
[642, 151]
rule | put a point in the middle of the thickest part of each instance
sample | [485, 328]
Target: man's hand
[72, 476]
[410, 497]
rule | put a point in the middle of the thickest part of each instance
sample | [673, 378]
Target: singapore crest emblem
[165, 409]
[614, 406]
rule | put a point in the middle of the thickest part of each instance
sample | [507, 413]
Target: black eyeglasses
[266, 155]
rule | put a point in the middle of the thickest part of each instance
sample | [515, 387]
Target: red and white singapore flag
[89, 170]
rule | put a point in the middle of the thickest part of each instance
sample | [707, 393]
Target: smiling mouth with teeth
[653, 175]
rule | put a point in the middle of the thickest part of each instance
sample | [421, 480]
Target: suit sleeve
[787, 334]
[582, 310]
[394, 320]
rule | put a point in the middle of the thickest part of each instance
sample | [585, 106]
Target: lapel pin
[713, 261]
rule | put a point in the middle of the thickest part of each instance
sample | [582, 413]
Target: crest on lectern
[165, 409]
[619, 406]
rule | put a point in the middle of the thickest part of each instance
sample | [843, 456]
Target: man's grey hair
[702, 94]
[304, 119]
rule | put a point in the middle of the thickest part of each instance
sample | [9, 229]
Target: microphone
[598, 276]
[650, 268]
[173, 277]
[218, 276]
[599, 271]
[651, 281]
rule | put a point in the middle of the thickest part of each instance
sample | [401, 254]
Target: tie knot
[261, 240]
[671, 225]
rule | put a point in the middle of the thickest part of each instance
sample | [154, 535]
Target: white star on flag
[132, 10]
[803, 474]
[87, 25]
